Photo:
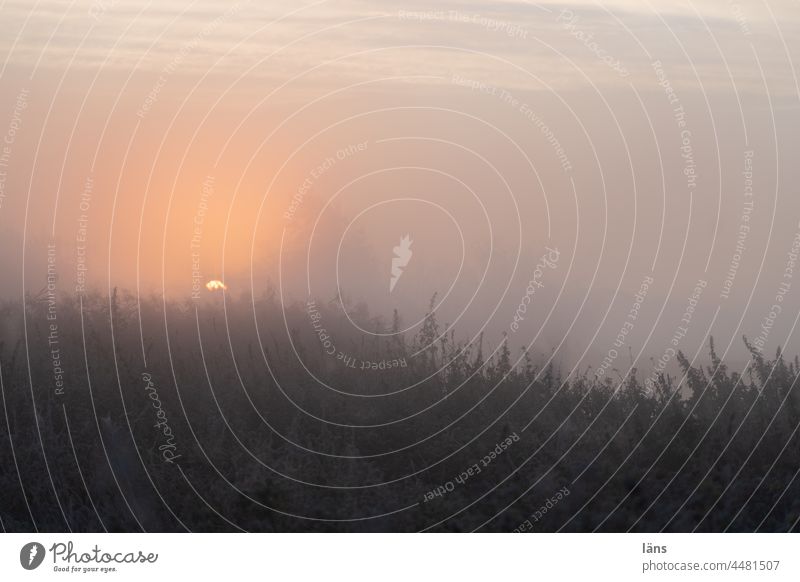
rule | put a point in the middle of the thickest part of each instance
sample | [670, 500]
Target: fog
[291, 151]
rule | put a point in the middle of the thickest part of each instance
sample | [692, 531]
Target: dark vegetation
[263, 446]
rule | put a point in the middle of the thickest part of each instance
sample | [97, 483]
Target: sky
[155, 146]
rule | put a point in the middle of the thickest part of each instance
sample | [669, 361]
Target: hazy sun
[216, 286]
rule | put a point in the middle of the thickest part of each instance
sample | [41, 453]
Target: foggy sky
[618, 133]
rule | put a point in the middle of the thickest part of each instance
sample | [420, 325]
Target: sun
[216, 286]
